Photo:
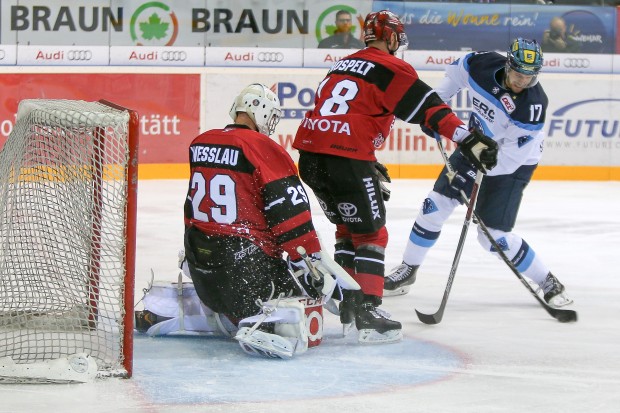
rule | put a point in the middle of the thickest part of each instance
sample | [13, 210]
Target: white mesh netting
[63, 203]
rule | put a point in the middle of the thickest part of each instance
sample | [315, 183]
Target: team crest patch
[495, 90]
[379, 140]
[502, 243]
[429, 206]
[523, 140]
[508, 103]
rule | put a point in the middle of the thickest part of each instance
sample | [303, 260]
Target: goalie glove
[480, 150]
[314, 278]
[384, 176]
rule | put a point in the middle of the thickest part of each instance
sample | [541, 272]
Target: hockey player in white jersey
[508, 105]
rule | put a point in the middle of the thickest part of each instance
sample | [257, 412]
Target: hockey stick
[562, 315]
[438, 315]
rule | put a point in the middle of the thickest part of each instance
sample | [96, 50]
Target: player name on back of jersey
[214, 154]
[358, 66]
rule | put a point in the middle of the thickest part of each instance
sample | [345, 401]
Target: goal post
[68, 199]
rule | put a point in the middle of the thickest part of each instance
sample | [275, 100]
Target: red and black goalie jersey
[356, 103]
[244, 184]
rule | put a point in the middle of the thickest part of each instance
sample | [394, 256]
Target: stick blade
[565, 316]
[430, 318]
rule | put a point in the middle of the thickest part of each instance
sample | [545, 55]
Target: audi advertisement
[252, 56]
[64, 55]
[553, 62]
[157, 56]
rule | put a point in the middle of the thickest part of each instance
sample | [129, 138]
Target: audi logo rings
[270, 57]
[83, 55]
[576, 63]
[174, 56]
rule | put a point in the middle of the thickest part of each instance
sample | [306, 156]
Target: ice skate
[375, 326]
[145, 319]
[399, 281]
[554, 292]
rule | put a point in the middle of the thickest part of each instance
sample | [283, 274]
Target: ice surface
[496, 349]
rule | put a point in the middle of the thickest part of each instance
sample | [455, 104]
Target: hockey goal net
[68, 192]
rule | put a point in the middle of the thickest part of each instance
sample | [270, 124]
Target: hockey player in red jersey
[355, 107]
[245, 208]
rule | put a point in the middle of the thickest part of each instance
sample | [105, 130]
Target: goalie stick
[562, 315]
[438, 315]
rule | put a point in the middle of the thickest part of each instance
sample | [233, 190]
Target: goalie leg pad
[261, 343]
[178, 304]
[296, 320]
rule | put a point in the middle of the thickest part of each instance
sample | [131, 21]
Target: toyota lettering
[79, 55]
[270, 57]
[174, 56]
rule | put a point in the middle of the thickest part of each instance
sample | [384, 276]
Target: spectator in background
[342, 37]
[556, 39]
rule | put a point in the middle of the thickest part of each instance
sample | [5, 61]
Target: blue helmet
[525, 56]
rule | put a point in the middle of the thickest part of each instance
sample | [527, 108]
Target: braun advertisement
[190, 23]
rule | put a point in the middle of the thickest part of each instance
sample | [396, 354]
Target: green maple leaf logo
[154, 28]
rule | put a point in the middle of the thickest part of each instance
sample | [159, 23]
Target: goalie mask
[381, 24]
[525, 57]
[262, 106]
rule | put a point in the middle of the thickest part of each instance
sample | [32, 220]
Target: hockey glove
[384, 176]
[480, 150]
[314, 278]
[461, 184]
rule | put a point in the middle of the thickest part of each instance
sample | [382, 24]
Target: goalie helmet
[262, 106]
[525, 57]
[381, 24]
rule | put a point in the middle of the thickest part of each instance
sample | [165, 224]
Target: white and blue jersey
[514, 121]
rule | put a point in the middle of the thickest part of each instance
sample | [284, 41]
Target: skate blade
[346, 329]
[399, 291]
[369, 336]
[331, 306]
